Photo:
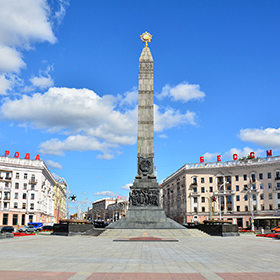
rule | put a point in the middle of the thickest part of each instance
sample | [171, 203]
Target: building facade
[244, 191]
[60, 200]
[108, 209]
[26, 192]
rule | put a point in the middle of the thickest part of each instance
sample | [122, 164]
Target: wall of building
[237, 190]
[26, 192]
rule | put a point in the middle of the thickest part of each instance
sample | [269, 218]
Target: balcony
[276, 189]
[194, 194]
[33, 181]
[277, 178]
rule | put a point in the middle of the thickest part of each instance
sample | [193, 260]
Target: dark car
[7, 229]
[100, 224]
[47, 227]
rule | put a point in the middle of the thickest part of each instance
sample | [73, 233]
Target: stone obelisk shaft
[145, 149]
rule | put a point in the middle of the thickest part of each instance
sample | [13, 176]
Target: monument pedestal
[145, 211]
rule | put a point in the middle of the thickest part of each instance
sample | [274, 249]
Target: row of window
[246, 208]
[270, 196]
[245, 178]
[6, 205]
[25, 176]
[16, 219]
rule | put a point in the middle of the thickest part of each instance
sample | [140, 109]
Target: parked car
[37, 226]
[100, 224]
[27, 229]
[7, 229]
[276, 229]
[48, 227]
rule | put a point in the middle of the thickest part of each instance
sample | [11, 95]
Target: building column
[225, 203]
[191, 204]
[233, 202]
[198, 204]
[258, 201]
[251, 206]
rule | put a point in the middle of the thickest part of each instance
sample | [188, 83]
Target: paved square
[92, 258]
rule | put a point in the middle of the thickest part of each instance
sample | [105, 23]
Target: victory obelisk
[145, 210]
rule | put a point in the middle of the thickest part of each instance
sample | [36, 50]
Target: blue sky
[69, 76]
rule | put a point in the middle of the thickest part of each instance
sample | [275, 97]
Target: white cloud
[43, 81]
[182, 92]
[130, 98]
[171, 118]
[162, 136]
[210, 156]
[74, 143]
[22, 24]
[242, 152]
[54, 165]
[85, 120]
[126, 187]
[269, 137]
[106, 193]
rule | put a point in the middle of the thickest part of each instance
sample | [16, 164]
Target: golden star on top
[146, 38]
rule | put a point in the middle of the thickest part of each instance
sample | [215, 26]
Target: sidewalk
[95, 258]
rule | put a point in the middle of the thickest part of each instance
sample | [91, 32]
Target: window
[15, 205]
[270, 207]
[25, 176]
[17, 175]
[203, 208]
[195, 209]
[32, 187]
[278, 206]
[269, 185]
[32, 206]
[246, 208]
[23, 219]
[245, 187]
[32, 196]
[202, 180]
[228, 179]
[278, 195]
[202, 199]
[260, 176]
[195, 199]
[237, 188]
[254, 197]
[202, 189]
[262, 207]
[245, 197]
[16, 195]
[269, 175]
[5, 219]
[270, 196]
[210, 189]
[261, 186]
[15, 219]
[261, 196]
[277, 175]
[236, 178]
[6, 205]
[24, 186]
[23, 205]
[6, 195]
[24, 196]
[238, 208]
[16, 185]
[253, 177]
[253, 186]
[245, 177]
[195, 189]
[278, 185]
[210, 180]
[237, 198]
[30, 218]
[7, 175]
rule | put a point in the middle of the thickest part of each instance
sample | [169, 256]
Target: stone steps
[165, 233]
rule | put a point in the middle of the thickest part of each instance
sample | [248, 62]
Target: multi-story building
[108, 208]
[26, 192]
[242, 191]
[60, 200]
